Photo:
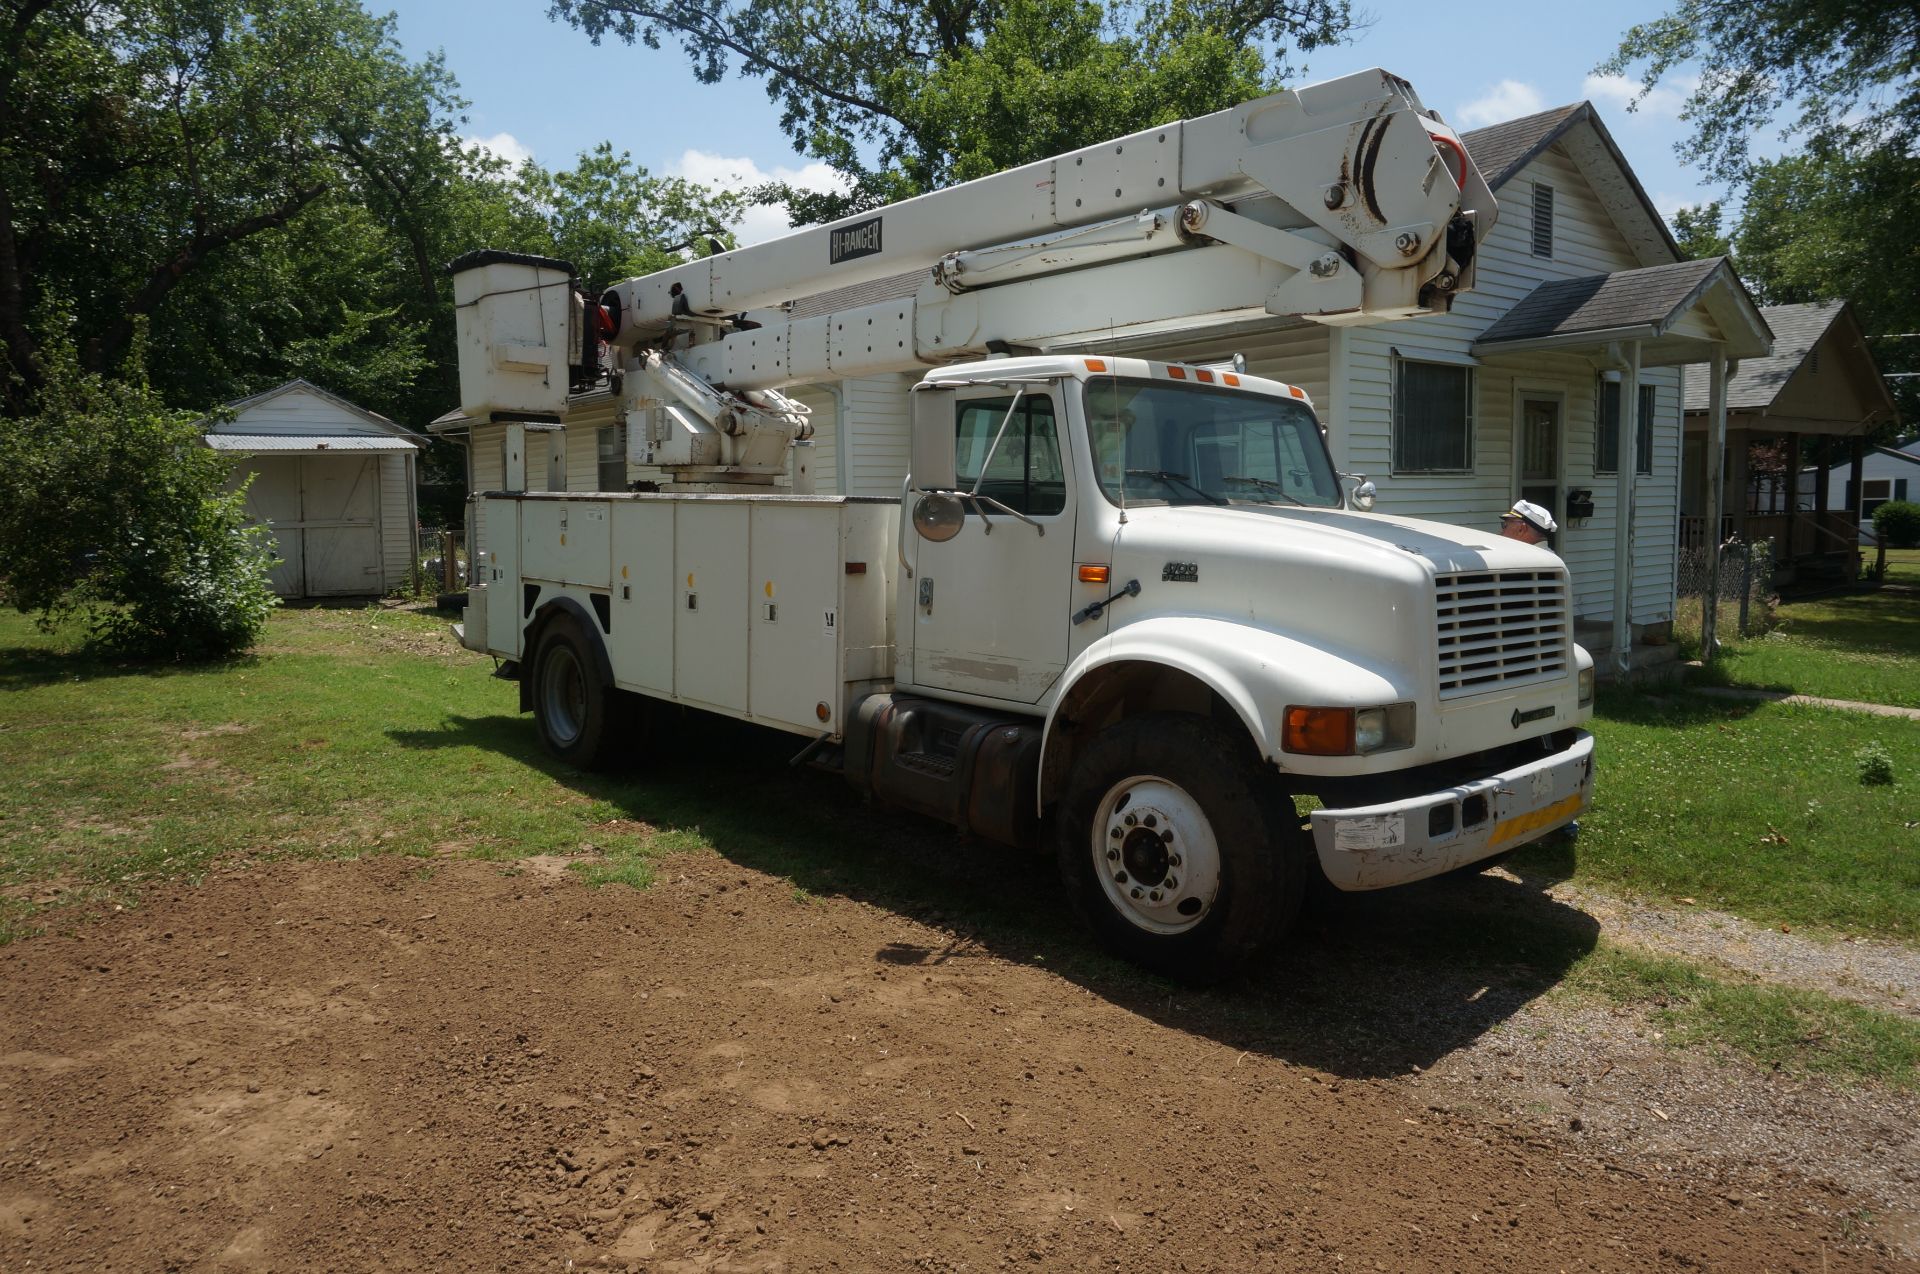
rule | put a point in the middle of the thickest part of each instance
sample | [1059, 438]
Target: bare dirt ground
[471, 1065]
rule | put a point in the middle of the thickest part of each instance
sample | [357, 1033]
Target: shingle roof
[1758, 381]
[1602, 302]
[1503, 149]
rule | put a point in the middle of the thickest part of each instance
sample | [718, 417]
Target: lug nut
[1129, 820]
[1167, 836]
[1120, 877]
[1173, 860]
[1155, 895]
[1113, 855]
[1136, 893]
[1115, 833]
[1152, 821]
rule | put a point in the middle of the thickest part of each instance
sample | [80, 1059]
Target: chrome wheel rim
[1155, 855]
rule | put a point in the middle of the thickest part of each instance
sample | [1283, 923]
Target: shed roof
[298, 385]
[305, 444]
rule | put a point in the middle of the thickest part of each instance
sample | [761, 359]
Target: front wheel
[1176, 851]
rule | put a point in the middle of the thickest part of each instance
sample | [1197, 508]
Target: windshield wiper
[1265, 485]
[1181, 478]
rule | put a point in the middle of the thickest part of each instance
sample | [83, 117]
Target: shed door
[339, 504]
[273, 498]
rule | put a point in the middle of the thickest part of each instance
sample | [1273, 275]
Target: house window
[1432, 418]
[610, 443]
[1607, 435]
[1542, 220]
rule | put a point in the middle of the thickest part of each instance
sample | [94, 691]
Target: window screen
[1024, 471]
[1432, 418]
[611, 444]
[1607, 434]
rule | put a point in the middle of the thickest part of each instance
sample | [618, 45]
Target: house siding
[1585, 242]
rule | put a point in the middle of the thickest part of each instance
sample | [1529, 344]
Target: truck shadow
[1370, 985]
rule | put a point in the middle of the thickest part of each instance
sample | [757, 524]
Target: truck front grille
[1498, 629]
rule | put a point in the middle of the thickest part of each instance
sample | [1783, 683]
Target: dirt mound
[468, 1065]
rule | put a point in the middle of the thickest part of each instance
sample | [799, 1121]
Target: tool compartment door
[794, 620]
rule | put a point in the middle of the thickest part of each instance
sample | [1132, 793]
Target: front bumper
[1374, 846]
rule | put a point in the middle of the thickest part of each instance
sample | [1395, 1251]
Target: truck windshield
[1189, 444]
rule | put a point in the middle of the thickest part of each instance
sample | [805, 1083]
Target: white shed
[334, 483]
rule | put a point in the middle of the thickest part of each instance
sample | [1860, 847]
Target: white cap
[1533, 515]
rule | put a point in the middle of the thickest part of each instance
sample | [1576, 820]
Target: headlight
[1585, 685]
[1347, 731]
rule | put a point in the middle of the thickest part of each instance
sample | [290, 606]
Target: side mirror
[938, 516]
[933, 440]
[1364, 493]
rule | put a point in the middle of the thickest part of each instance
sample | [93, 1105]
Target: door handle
[926, 593]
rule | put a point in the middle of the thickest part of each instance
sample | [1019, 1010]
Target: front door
[989, 606]
[1540, 457]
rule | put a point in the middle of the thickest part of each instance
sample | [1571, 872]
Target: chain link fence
[1746, 594]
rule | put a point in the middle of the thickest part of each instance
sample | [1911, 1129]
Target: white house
[332, 481]
[1518, 393]
[1886, 473]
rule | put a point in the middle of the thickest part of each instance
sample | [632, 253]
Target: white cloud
[727, 172]
[1668, 203]
[501, 146]
[1509, 99]
[1663, 101]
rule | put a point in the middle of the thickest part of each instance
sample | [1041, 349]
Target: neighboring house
[1516, 394]
[332, 481]
[1886, 473]
[1820, 382]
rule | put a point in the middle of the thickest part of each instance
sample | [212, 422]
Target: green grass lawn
[1756, 809]
[351, 732]
[1903, 566]
[1863, 646]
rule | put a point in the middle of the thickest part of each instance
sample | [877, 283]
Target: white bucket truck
[1123, 608]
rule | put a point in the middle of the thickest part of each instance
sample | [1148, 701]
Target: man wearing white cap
[1527, 522]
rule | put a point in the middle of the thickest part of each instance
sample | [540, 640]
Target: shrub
[112, 511]
[1897, 524]
[1875, 765]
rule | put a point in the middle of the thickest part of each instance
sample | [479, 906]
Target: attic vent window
[1813, 362]
[1542, 220]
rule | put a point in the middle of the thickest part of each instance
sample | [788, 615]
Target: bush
[112, 511]
[1874, 764]
[1897, 524]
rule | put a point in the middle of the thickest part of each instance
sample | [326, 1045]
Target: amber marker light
[1176, 373]
[1094, 574]
[1231, 379]
[1096, 364]
[1319, 731]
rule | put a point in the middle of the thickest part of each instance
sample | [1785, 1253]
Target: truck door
[990, 605]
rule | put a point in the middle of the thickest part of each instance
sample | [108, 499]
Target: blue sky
[540, 88]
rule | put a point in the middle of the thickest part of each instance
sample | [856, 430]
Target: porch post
[1740, 479]
[1716, 482]
[1623, 514]
[1793, 500]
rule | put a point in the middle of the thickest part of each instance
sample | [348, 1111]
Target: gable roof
[239, 405]
[1641, 304]
[1758, 381]
[1502, 150]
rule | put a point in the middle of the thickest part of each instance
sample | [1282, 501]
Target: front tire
[576, 712]
[1176, 850]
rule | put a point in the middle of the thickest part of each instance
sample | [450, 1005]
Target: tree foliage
[904, 96]
[113, 511]
[1847, 72]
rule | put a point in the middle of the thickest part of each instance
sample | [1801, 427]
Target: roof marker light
[1231, 379]
[1206, 377]
[1176, 373]
[1096, 364]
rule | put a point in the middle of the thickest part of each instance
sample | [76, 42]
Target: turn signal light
[1094, 574]
[1319, 731]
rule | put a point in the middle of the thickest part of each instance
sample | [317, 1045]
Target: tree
[111, 510]
[905, 96]
[143, 141]
[1849, 70]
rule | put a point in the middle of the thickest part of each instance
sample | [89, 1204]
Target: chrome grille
[1500, 628]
